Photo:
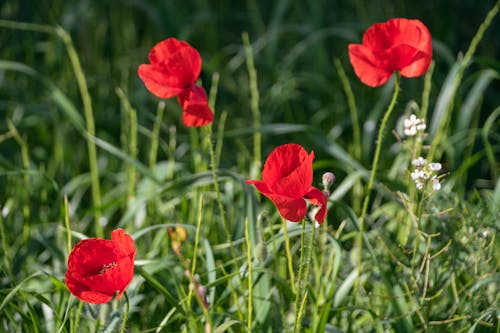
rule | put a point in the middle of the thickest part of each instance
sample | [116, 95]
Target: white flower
[412, 125]
[419, 162]
[415, 175]
[411, 131]
[419, 184]
[435, 183]
[421, 127]
[435, 166]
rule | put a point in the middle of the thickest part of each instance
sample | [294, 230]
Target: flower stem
[125, 315]
[250, 277]
[369, 187]
[289, 256]
[254, 105]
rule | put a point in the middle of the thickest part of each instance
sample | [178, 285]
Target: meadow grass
[85, 149]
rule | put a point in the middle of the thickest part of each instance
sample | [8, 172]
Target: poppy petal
[157, 82]
[399, 44]
[368, 69]
[194, 102]
[95, 297]
[124, 244]
[317, 198]
[292, 209]
[288, 170]
[175, 66]
[178, 60]
[98, 268]
[260, 185]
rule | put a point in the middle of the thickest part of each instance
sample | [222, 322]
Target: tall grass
[84, 149]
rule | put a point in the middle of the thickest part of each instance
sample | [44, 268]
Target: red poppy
[99, 268]
[175, 67]
[287, 181]
[396, 45]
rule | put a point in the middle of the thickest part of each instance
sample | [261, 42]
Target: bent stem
[125, 315]
[369, 187]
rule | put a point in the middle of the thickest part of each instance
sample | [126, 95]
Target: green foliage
[278, 72]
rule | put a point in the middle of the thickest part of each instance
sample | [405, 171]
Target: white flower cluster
[413, 125]
[423, 172]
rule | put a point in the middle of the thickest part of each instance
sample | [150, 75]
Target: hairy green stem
[289, 256]
[369, 187]
[250, 277]
[305, 264]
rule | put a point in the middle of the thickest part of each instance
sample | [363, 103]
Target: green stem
[289, 256]
[305, 261]
[90, 124]
[125, 315]
[369, 187]
[155, 135]
[67, 225]
[250, 277]
[353, 110]
[254, 104]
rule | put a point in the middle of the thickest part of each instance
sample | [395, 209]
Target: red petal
[318, 198]
[175, 65]
[157, 82]
[113, 279]
[95, 297]
[178, 60]
[288, 170]
[292, 209]
[124, 243]
[398, 44]
[367, 67]
[260, 185]
[98, 268]
[195, 105]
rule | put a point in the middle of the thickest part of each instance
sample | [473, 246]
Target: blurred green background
[302, 100]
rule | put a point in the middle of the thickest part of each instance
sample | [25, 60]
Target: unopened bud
[328, 180]
[261, 252]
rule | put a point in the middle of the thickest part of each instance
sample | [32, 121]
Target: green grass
[85, 148]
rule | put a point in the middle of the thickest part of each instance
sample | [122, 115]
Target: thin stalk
[90, 126]
[130, 141]
[254, 105]
[250, 277]
[26, 166]
[66, 224]
[380, 138]
[155, 135]
[195, 249]
[213, 163]
[125, 315]
[353, 110]
[289, 256]
[305, 259]
[357, 190]
[78, 315]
